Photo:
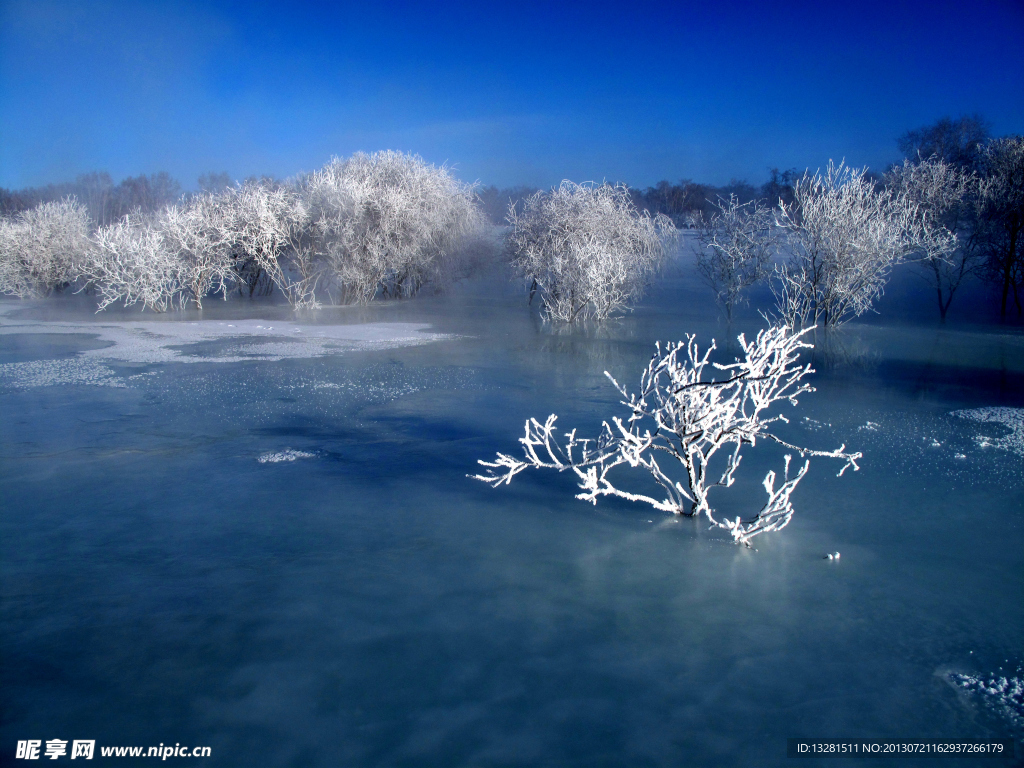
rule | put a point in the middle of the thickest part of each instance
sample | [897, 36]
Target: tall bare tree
[1001, 214]
[944, 232]
[958, 142]
[736, 248]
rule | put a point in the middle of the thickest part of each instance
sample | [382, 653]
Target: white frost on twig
[686, 420]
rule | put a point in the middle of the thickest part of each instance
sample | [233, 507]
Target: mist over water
[270, 546]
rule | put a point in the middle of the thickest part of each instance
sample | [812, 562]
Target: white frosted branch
[681, 413]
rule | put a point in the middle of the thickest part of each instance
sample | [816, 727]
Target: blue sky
[509, 93]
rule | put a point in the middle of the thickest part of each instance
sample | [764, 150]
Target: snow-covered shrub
[40, 247]
[686, 420]
[198, 234]
[586, 248]
[841, 237]
[266, 229]
[389, 222]
[736, 247]
[131, 263]
[203, 245]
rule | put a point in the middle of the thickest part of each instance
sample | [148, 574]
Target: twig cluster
[736, 249]
[680, 422]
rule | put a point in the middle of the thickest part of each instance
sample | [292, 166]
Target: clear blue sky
[509, 92]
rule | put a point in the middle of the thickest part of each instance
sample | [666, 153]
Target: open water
[252, 530]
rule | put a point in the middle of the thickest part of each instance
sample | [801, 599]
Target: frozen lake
[253, 530]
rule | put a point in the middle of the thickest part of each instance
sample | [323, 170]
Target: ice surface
[914, 442]
[358, 601]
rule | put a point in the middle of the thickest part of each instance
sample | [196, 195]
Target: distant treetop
[959, 141]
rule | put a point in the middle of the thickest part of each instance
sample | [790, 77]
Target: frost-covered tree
[779, 187]
[586, 248]
[131, 263]
[189, 250]
[841, 238]
[39, 248]
[687, 430]
[943, 232]
[267, 229]
[958, 142]
[1001, 218]
[198, 234]
[736, 247]
[388, 223]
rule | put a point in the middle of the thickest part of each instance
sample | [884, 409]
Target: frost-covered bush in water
[198, 234]
[39, 248]
[180, 254]
[267, 231]
[586, 248]
[841, 237]
[132, 264]
[381, 224]
[736, 247]
[389, 222]
[686, 420]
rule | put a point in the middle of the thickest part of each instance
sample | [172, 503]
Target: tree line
[684, 203]
[825, 242]
[384, 225]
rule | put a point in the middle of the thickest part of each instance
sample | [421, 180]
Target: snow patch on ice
[172, 341]
[1005, 695]
[288, 454]
[49, 373]
[1012, 418]
[153, 341]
